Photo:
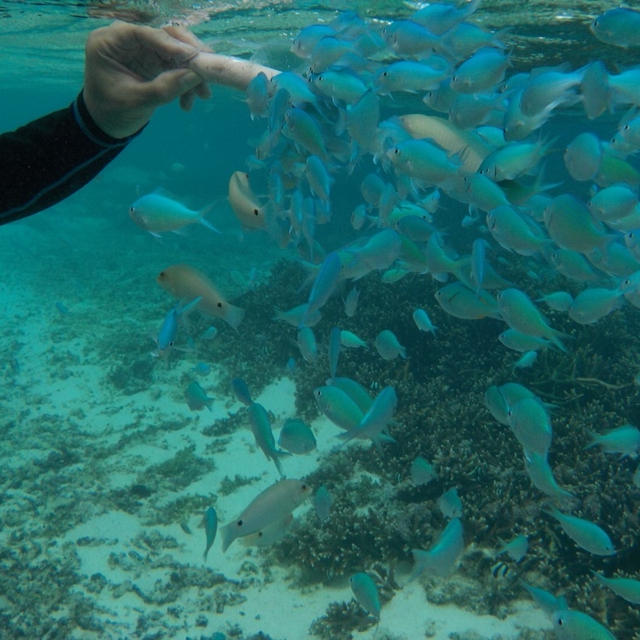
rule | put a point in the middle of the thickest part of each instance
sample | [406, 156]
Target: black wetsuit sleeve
[48, 159]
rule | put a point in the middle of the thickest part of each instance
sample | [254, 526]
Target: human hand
[130, 70]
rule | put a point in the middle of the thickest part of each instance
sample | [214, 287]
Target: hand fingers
[187, 100]
[184, 35]
[167, 86]
[174, 52]
[203, 90]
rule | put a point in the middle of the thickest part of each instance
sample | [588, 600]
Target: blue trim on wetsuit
[50, 158]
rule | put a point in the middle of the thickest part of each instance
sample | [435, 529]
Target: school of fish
[473, 135]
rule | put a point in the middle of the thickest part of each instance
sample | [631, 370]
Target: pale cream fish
[468, 146]
[244, 202]
[270, 506]
[520, 313]
[590, 305]
[541, 476]
[624, 440]
[186, 283]
[584, 533]
[270, 534]
[461, 302]
[157, 213]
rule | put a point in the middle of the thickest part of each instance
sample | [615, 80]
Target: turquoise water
[105, 471]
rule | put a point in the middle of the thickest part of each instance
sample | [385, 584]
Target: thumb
[167, 86]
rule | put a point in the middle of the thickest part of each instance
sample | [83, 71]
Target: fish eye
[385, 73]
[396, 151]
[627, 127]
[240, 523]
[219, 305]
[256, 212]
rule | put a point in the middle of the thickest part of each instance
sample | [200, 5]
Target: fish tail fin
[234, 315]
[207, 224]
[226, 537]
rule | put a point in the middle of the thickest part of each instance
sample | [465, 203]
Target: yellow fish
[244, 202]
[186, 283]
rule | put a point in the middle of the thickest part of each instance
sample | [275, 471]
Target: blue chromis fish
[271, 505]
[376, 419]
[619, 27]
[296, 437]
[210, 528]
[388, 347]
[366, 593]
[197, 398]
[169, 329]
[157, 213]
[450, 504]
[241, 391]
[516, 549]
[442, 557]
[624, 440]
[335, 343]
[422, 471]
[626, 588]
[585, 534]
[322, 501]
[261, 429]
[545, 600]
[575, 625]
[423, 322]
